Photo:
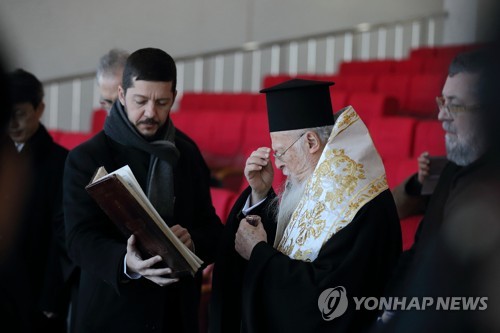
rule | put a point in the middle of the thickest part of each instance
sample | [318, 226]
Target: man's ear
[313, 142]
[121, 95]
[40, 109]
[175, 95]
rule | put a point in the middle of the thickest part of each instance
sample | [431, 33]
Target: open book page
[127, 177]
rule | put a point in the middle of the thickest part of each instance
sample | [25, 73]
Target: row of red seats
[414, 95]
[191, 101]
[422, 60]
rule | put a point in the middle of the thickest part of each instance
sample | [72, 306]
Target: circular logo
[333, 303]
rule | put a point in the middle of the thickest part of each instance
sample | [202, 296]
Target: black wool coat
[108, 302]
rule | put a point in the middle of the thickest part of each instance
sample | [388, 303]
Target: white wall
[54, 38]
[470, 21]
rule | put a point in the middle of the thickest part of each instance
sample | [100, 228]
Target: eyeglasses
[280, 155]
[453, 110]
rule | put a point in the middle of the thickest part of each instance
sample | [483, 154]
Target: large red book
[122, 199]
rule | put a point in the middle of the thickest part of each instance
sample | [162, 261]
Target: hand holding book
[146, 268]
[122, 199]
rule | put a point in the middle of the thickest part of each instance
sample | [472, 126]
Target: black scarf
[164, 157]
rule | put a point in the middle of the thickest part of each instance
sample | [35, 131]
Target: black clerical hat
[297, 104]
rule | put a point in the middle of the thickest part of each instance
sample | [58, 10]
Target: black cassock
[274, 293]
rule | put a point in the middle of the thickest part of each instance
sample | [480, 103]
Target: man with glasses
[460, 113]
[34, 293]
[288, 261]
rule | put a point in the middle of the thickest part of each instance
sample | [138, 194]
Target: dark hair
[24, 87]
[149, 64]
[490, 100]
[474, 61]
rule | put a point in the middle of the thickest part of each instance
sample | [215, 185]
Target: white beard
[466, 149]
[285, 204]
[289, 200]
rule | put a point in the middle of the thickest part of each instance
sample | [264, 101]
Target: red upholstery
[256, 132]
[422, 52]
[213, 101]
[409, 66]
[219, 134]
[243, 101]
[421, 100]
[360, 67]
[55, 134]
[98, 119]
[356, 82]
[437, 65]
[259, 103]
[340, 99]
[190, 101]
[218, 101]
[271, 80]
[409, 227]
[429, 136]
[70, 140]
[393, 136]
[395, 86]
[372, 105]
[398, 169]
[223, 201]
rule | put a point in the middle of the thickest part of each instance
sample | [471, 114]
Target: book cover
[120, 196]
[436, 165]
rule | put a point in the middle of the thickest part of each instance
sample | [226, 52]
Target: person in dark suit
[121, 290]
[455, 253]
[33, 290]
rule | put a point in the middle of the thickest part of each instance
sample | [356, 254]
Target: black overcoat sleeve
[281, 294]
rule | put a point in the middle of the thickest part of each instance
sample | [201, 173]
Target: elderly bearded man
[334, 225]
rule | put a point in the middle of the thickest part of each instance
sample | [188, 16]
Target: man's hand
[135, 264]
[183, 235]
[259, 173]
[423, 167]
[248, 236]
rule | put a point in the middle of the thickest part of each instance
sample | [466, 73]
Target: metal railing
[243, 68]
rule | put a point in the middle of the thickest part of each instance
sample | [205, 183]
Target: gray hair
[112, 63]
[323, 132]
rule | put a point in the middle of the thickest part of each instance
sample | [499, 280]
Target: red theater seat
[256, 132]
[393, 136]
[356, 82]
[98, 119]
[242, 101]
[340, 99]
[190, 101]
[362, 67]
[372, 105]
[429, 136]
[422, 52]
[223, 201]
[272, 80]
[70, 140]
[55, 134]
[409, 66]
[399, 169]
[423, 90]
[396, 86]
[409, 227]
